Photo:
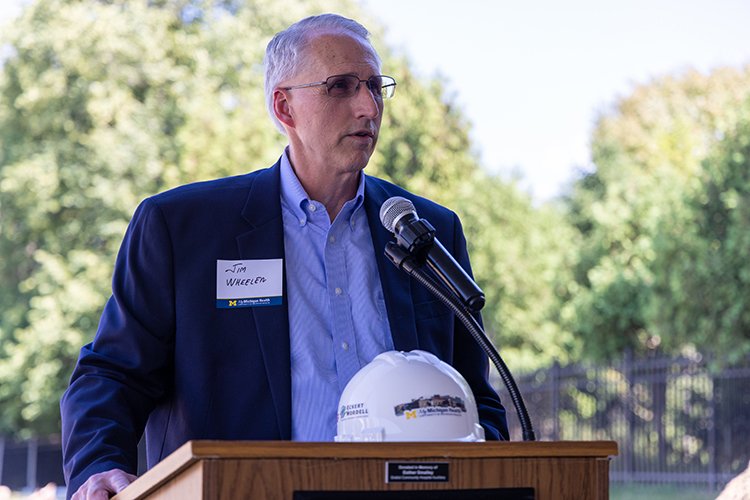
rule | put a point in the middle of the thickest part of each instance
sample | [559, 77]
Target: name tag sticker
[248, 283]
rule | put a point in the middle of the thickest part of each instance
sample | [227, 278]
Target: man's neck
[333, 190]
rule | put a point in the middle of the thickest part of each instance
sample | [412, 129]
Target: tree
[648, 151]
[704, 274]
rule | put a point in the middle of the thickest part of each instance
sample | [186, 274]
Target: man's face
[333, 134]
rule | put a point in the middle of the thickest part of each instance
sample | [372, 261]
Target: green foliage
[522, 256]
[643, 247]
[107, 102]
[704, 295]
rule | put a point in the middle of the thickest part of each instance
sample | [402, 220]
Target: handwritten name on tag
[248, 283]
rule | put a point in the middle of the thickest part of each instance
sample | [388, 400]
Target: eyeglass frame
[382, 95]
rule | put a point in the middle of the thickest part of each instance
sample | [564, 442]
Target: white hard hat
[408, 396]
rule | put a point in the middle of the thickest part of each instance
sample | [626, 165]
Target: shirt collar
[294, 196]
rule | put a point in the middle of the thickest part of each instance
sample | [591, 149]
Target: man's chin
[359, 161]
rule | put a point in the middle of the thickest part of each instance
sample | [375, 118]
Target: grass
[618, 491]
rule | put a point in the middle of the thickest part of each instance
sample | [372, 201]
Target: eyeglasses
[381, 86]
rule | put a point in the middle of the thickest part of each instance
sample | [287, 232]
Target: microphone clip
[401, 258]
[416, 237]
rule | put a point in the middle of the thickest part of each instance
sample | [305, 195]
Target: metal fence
[675, 420]
[29, 464]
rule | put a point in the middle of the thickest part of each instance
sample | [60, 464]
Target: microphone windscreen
[393, 209]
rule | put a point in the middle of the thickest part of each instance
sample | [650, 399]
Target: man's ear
[281, 108]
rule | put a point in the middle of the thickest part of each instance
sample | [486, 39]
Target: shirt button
[338, 291]
[332, 239]
[345, 346]
[312, 207]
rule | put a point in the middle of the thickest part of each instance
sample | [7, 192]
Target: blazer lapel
[396, 284]
[265, 240]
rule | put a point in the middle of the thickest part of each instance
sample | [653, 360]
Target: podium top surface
[196, 450]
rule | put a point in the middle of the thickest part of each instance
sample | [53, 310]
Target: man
[241, 307]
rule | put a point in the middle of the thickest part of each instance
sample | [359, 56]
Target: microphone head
[393, 209]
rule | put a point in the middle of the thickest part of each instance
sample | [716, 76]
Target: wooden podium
[542, 470]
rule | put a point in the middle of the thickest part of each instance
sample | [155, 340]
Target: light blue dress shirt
[337, 316]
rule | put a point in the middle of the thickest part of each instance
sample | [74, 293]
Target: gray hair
[284, 53]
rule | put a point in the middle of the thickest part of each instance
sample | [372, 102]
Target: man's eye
[340, 85]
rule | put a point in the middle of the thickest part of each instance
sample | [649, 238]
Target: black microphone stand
[403, 260]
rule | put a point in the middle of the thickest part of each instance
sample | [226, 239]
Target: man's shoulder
[233, 189]
[214, 188]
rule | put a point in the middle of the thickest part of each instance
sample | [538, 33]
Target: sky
[533, 76]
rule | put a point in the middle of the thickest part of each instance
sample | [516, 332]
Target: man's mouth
[363, 133]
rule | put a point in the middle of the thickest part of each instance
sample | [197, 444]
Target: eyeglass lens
[347, 85]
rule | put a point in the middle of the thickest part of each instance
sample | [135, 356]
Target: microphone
[417, 237]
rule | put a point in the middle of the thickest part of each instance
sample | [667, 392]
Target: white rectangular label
[246, 280]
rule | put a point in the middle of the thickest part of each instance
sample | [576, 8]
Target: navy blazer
[166, 359]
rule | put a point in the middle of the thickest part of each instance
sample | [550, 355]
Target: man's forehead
[335, 46]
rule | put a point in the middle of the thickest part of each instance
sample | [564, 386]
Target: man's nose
[365, 103]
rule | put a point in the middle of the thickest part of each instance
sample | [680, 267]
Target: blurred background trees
[654, 269]
[103, 103]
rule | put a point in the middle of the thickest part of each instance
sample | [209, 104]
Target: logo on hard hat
[353, 410]
[435, 405]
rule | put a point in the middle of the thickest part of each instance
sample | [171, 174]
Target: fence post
[712, 480]
[32, 454]
[2, 457]
[628, 452]
[555, 388]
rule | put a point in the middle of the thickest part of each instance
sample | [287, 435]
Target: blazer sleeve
[471, 360]
[124, 372]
